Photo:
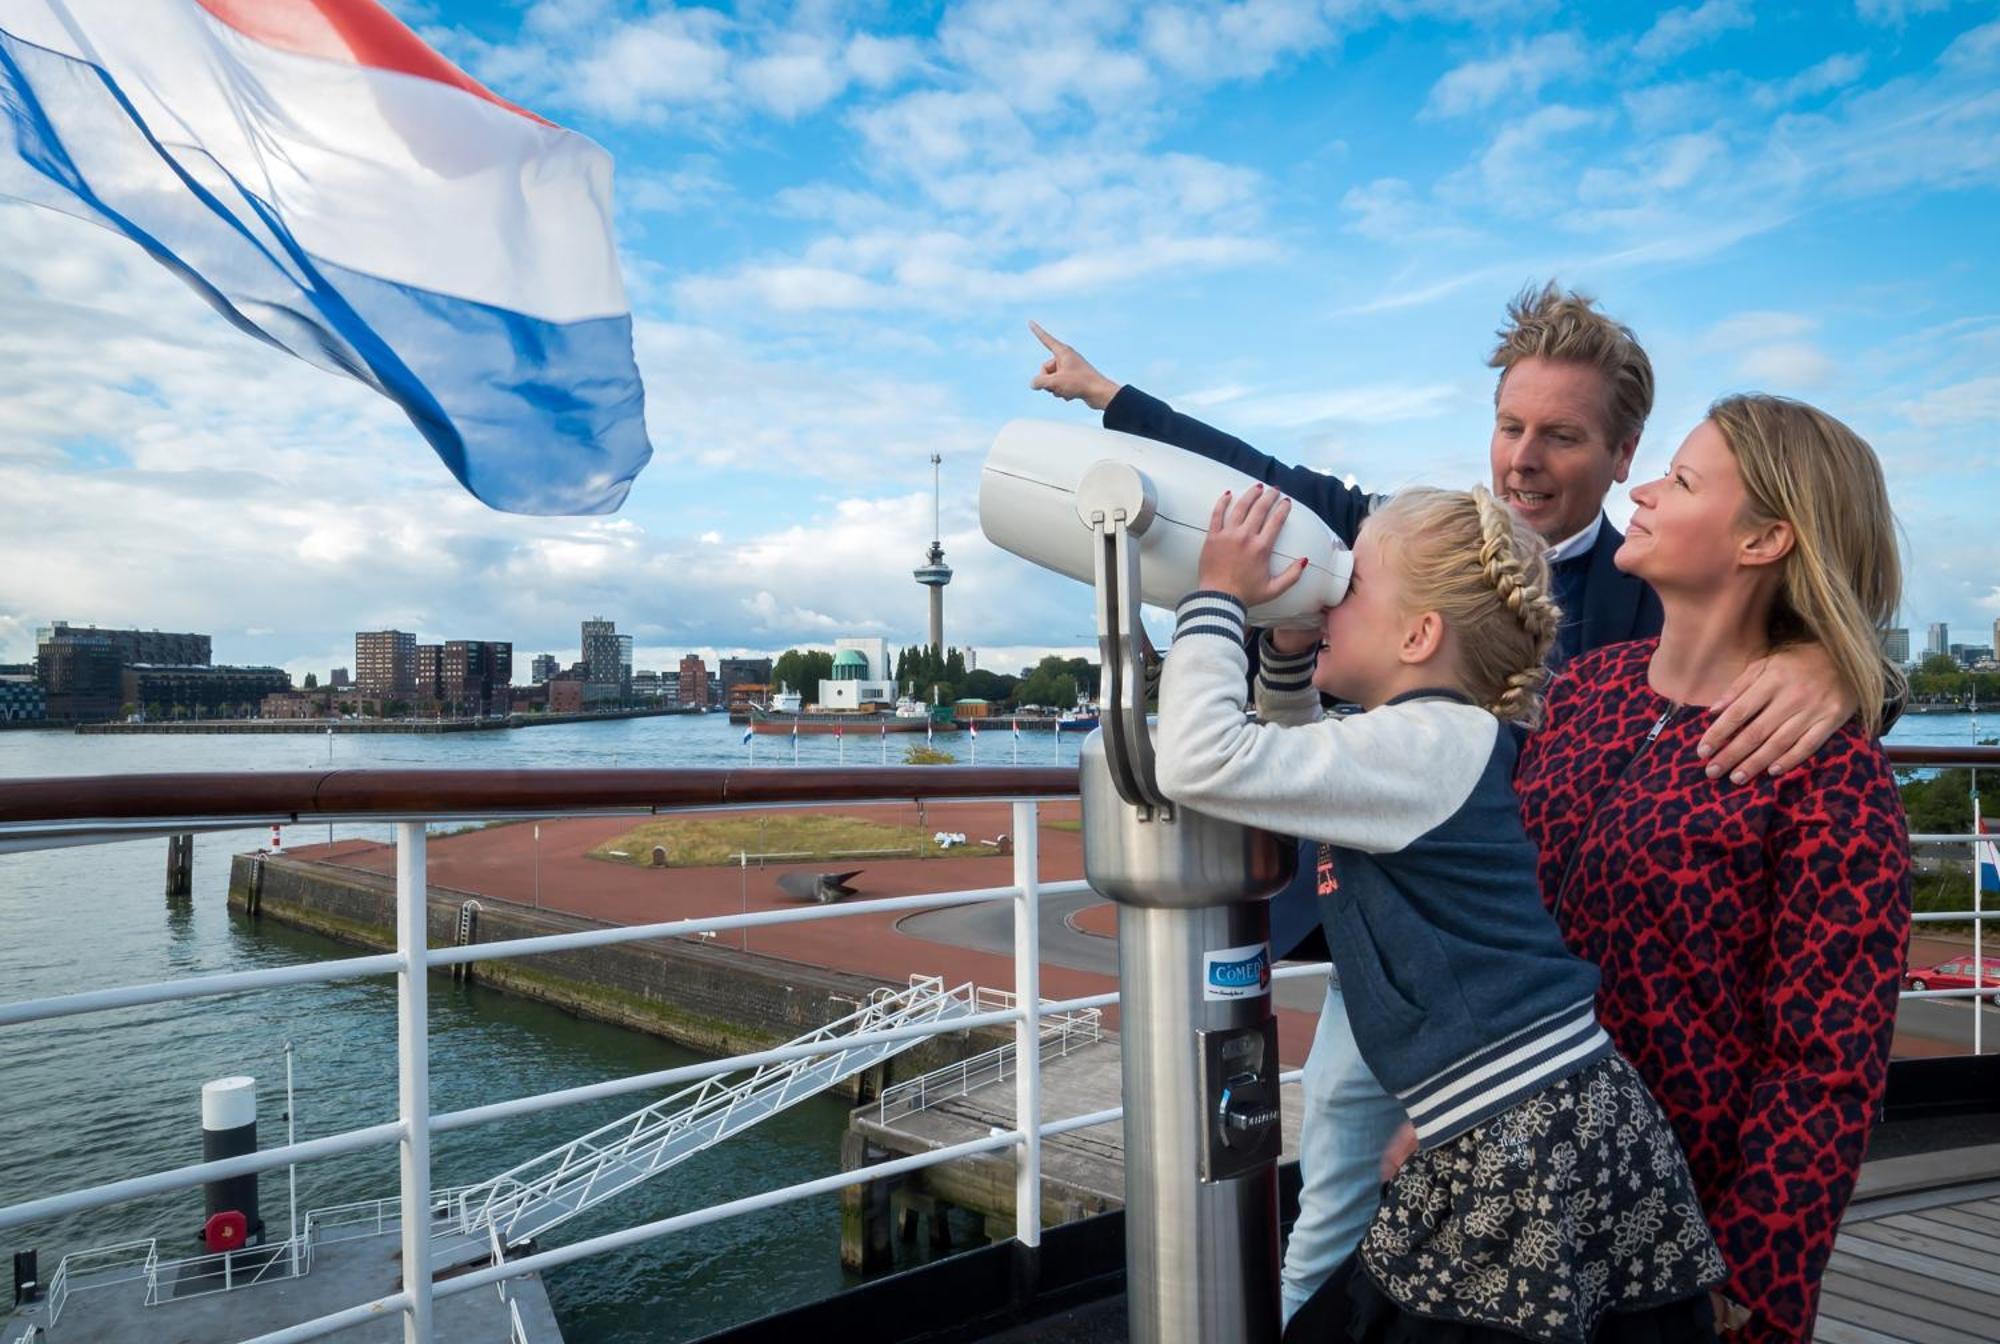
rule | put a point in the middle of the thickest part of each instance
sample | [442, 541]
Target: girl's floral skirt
[1573, 1210]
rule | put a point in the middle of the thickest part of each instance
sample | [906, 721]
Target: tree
[803, 670]
[312, 681]
[984, 685]
[1052, 683]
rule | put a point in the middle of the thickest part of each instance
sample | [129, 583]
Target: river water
[90, 1099]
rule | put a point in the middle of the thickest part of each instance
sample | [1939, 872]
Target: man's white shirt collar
[1578, 544]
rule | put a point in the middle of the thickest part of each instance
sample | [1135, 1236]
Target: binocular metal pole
[1198, 1039]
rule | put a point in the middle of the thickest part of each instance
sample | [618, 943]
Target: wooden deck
[1918, 1268]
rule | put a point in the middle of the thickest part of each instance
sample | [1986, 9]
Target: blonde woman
[1750, 935]
[1539, 1150]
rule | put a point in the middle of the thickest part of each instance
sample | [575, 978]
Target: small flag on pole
[1988, 852]
[746, 736]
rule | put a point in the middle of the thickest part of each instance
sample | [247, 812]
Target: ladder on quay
[546, 1191]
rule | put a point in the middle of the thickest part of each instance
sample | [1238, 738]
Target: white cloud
[1835, 72]
[800, 74]
[1389, 210]
[1234, 41]
[1974, 401]
[1756, 328]
[1008, 231]
[695, 184]
[1897, 12]
[1382, 404]
[1787, 367]
[1518, 74]
[1679, 31]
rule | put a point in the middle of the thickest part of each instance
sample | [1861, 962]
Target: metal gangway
[545, 1191]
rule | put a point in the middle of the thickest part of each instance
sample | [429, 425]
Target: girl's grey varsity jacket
[1461, 994]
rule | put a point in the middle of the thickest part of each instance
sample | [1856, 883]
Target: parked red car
[1954, 974]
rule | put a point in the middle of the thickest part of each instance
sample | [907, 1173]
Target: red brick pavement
[505, 862]
[502, 862]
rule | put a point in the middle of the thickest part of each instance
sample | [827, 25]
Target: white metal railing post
[413, 1075]
[1028, 1030]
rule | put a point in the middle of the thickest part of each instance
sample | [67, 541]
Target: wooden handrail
[322, 795]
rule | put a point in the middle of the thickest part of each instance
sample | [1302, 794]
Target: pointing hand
[1068, 375]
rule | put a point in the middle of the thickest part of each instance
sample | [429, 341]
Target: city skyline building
[1938, 639]
[79, 666]
[385, 663]
[871, 647]
[429, 682]
[602, 656]
[736, 672]
[934, 573]
[198, 690]
[476, 675]
[542, 667]
[1896, 644]
[693, 681]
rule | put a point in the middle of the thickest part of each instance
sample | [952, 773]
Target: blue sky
[1300, 221]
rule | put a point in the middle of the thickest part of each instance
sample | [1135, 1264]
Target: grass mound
[707, 842]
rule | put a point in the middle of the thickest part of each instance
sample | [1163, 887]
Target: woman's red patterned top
[1751, 938]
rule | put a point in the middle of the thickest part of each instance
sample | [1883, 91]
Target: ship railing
[367, 1217]
[221, 1271]
[99, 1267]
[1068, 1032]
[1977, 915]
[42, 813]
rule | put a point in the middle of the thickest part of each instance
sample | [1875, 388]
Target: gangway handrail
[547, 1190]
[1084, 1025]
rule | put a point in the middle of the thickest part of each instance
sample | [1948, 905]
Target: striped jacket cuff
[1284, 671]
[1207, 612]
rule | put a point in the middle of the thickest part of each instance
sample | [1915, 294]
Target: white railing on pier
[546, 1191]
[417, 1206]
[1068, 1031]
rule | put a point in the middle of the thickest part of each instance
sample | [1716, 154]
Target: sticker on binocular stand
[1236, 972]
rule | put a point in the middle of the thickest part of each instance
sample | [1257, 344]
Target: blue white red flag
[337, 189]
[746, 736]
[1987, 855]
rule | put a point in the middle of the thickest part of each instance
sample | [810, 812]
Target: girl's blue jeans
[1349, 1120]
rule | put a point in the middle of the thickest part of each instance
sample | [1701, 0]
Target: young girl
[1546, 1196]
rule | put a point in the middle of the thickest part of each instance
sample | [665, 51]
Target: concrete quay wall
[711, 998]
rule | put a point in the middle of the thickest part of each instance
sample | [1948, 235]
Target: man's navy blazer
[1616, 606]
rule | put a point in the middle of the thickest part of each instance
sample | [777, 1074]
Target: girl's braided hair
[1464, 555]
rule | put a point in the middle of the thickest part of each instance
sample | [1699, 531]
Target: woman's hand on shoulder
[1236, 557]
[1777, 714]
